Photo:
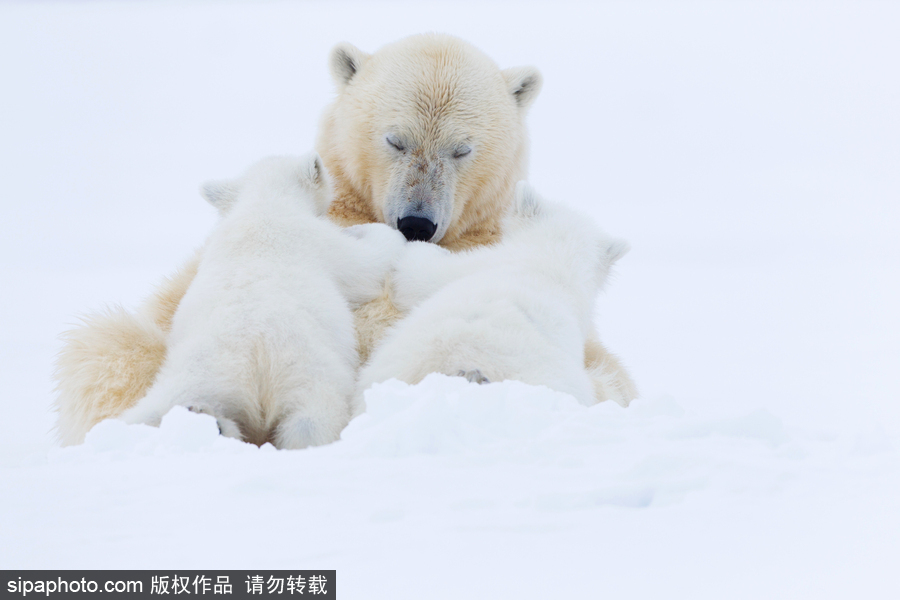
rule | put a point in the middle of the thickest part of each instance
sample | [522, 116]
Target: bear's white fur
[457, 124]
[263, 339]
[521, 310]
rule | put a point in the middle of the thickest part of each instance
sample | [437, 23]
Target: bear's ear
[528, 203]
[524, 84]
[220, 194]
[616, 250]
[345, 61]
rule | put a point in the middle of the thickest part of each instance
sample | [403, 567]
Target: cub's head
[429, 133]
[539, 224]
[276, 176]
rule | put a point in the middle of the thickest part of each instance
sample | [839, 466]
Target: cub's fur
[263, 339]
[519, 310]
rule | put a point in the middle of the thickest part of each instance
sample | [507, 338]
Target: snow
[520, 488]
[748, 151]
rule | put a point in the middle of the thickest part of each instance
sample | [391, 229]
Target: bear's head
[303, 178]
[428, 136]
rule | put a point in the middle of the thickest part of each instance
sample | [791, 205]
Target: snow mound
[180, 432]
[550, 452]
[650, 453]
[449, 415]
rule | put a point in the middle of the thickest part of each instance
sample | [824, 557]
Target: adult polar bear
[427, 135]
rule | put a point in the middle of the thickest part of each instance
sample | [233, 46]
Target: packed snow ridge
[651, 453]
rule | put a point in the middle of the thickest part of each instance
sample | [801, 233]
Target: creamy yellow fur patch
[161, 306]
[105, 366]
[110, 361]
[611, 380]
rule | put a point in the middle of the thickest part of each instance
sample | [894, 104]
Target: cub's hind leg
[474, 376]
[312, 416]
[227, 427]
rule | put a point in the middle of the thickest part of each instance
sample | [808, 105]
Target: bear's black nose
[416, 228]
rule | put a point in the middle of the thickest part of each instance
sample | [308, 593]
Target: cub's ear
[345, 61]
[528, 203]
[314, 177]
[524, 84]
[616, 250]
[312, 172]
[220, 194]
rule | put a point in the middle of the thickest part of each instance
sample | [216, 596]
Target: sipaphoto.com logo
[23, 586]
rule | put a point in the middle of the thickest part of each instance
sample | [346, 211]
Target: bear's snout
[416, 228]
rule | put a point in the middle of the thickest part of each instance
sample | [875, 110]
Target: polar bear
[426, 135]
[263, 339]
[519, 310]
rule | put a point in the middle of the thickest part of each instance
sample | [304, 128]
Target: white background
[750, 152]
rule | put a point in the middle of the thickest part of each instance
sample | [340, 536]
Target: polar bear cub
[263, 339]
[520, 310]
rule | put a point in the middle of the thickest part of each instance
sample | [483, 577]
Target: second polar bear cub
[263, 339]
[520, 310]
